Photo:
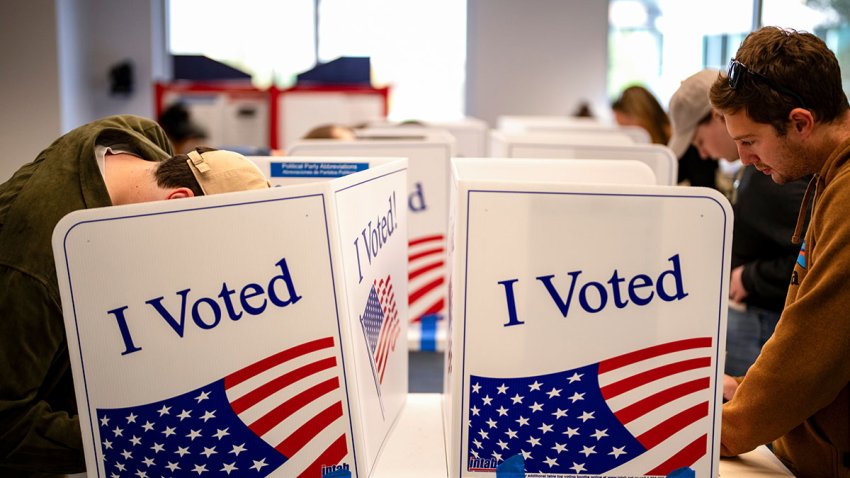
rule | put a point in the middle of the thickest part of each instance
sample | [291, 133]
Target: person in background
[331, 131]
[784, 106]
[765, 214]
[116, 160]
[183, 132]
[637, 106]
[583, 110]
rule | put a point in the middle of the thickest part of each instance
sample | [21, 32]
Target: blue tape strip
[513, 467]
[428, 337]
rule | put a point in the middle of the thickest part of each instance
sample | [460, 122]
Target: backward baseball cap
[688, 106]
[220, 171]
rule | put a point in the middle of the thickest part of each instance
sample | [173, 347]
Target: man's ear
[180, 193]
[802, 120]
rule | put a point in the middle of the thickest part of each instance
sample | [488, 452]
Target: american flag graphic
[426, 264]
[644, 412]
[282, 415]
[381, 325]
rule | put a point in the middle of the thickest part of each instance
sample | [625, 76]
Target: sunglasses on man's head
[738, 69]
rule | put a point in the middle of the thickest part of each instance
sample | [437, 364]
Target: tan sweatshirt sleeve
[806, 363]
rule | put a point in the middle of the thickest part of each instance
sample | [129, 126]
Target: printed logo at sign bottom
[284, 411]
[336, 471]
[648, 408]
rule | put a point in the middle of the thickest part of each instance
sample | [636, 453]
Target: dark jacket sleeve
[39, 427]
[769, 277]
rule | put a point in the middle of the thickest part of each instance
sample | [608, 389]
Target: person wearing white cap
[112, 161]
[763, 256]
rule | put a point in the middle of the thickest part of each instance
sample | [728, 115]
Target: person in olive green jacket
[785, 107]
[112, 161]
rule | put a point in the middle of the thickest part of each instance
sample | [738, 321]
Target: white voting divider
[569, 126]
[521, 123]
[500, 141]
[470, 134]
[427, 202]
[660, 158]
[637, 134]
[587, 325]
[255, 332]
[584, 171]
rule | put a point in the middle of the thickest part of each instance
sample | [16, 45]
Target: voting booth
[259, 333]
[587, 323]
[427, 203]
[305, 106]
[569, 126]
[471, 135]
[232, 114]
[660, 158]
[499, 140]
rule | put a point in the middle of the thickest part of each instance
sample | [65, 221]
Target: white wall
[29, 81]
[105, 33]
[56, 56]
[535, 57]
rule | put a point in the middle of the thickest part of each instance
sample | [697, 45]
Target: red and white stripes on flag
[390, 328]
[293, 400]
[426, 266]
[658, 394]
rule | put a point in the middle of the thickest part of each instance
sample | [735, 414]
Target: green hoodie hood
[65, 178]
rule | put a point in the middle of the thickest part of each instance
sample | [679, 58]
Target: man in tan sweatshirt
[784, 106]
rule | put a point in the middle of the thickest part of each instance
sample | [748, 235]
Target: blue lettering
[416, 200]
[290, 287]
[207, 312]
[640, 281]
[593, 295]
[248, 292]
[357, 253]
[563, 305]
[196, 314]
[615, 282]
[228, 303]
[603, 297]
[509, 298]
[129, 346]
[169, 319]
[374, 238]
[676, 272]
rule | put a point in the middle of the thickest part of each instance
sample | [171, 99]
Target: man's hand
[737, 292]
[729, 387]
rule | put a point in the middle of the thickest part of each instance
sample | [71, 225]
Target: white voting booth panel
[471, 134]
[256, 332]
[637, 134]
[660, 158]
[427, 202]
[499, 140]
[520, 123]
[584, 171]
[587, 325]
[570, 126]
[408, 133]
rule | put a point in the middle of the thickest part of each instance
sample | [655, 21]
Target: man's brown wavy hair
[798, 61]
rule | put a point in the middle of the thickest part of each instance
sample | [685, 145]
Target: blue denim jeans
[746, 332]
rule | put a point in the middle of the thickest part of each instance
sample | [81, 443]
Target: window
[658, 43]
[418, 49]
